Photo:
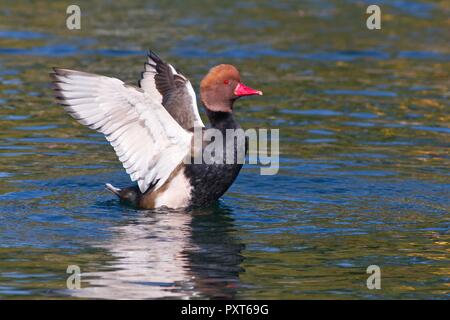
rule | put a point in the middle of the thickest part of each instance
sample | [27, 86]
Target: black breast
[211, 181]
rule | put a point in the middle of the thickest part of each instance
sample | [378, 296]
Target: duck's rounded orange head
[222, 86]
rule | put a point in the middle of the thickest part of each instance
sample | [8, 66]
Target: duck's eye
[226, 81]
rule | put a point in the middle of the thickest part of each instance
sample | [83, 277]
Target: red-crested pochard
[151, 128]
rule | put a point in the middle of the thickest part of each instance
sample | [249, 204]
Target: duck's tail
[113, 189]
[130, 195]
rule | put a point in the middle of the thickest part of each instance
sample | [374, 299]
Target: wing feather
[169, 87]
[147, 140]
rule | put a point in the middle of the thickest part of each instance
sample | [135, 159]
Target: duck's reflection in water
[176, 254]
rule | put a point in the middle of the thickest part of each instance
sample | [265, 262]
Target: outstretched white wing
[148, 141]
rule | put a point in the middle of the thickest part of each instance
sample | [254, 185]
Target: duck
[151, 128]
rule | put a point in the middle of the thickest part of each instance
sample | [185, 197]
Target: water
[364, 179]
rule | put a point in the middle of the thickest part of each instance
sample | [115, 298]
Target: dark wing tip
[62, 72]
[55, 86]
[160, 65]
[56, 74]
[152, 55]
[53, 76]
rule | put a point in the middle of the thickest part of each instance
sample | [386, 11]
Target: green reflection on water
[363, 118]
